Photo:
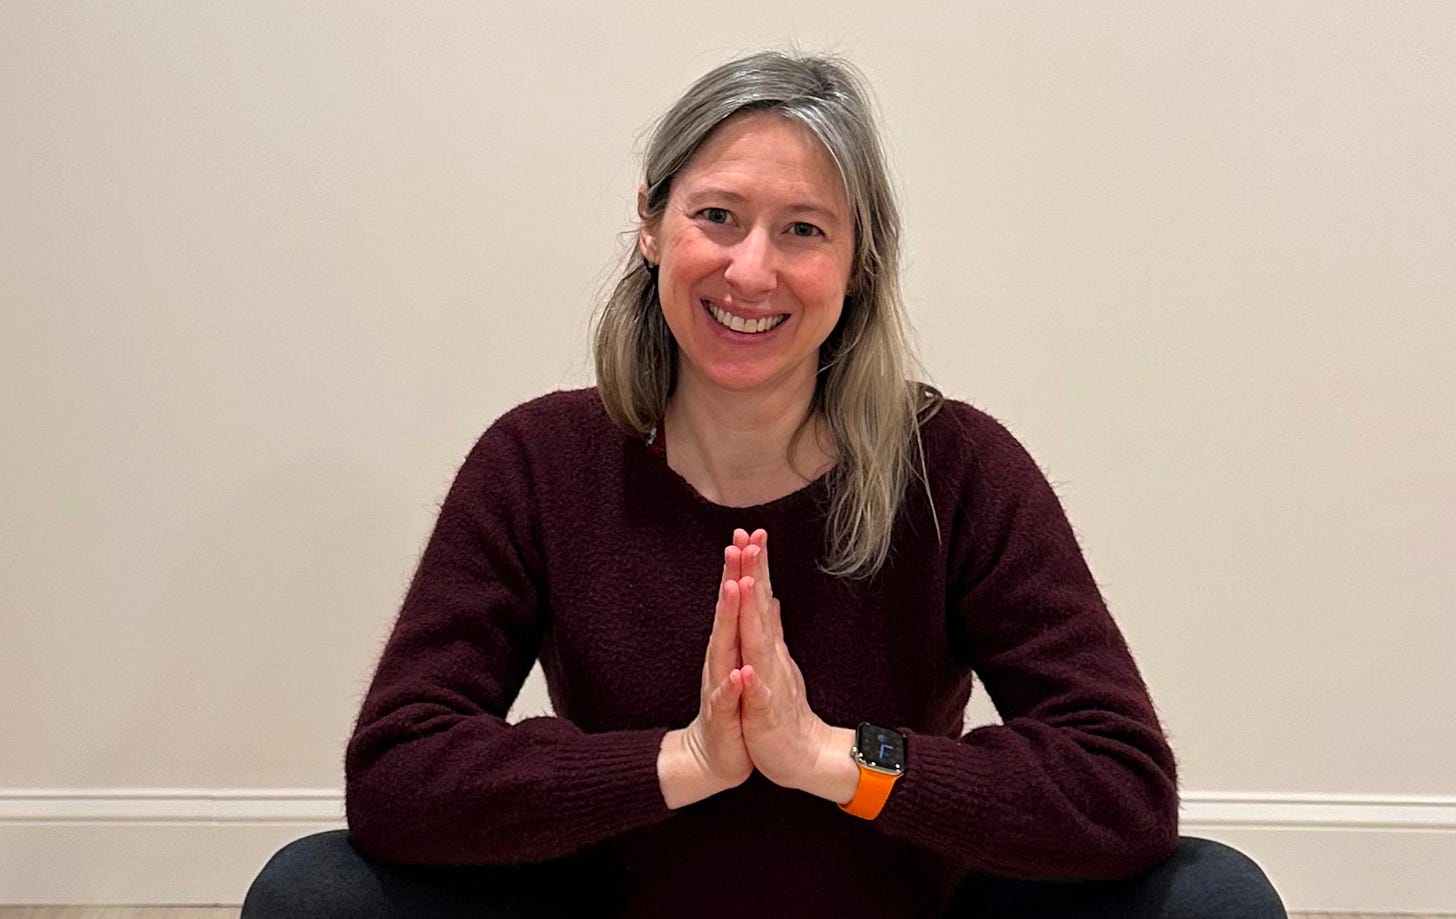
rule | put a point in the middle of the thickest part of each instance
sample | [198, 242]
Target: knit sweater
[565, 538]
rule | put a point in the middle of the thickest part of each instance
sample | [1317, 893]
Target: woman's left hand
[783, 735]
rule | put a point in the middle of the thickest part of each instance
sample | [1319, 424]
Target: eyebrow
[733, 197]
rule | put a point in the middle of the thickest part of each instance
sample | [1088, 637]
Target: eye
[805, 230]
[714, 214]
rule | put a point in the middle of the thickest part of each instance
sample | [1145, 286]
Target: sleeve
[433, 773]
[1078, 782]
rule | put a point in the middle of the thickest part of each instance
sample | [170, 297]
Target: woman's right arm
[433, 773]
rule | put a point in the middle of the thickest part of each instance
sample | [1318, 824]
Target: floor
[204, 912]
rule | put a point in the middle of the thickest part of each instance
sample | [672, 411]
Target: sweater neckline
[655, 442]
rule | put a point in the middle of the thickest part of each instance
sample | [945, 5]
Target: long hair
[870, 408]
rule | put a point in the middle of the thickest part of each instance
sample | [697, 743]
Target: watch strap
[873, 791]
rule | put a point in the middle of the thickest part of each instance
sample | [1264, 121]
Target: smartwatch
[880, 753]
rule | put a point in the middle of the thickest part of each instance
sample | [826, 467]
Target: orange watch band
[869, 798]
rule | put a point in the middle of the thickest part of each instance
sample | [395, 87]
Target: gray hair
[870, 407]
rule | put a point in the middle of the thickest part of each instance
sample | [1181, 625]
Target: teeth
[739, 324]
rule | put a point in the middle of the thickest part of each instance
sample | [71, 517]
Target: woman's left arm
[1078, 782]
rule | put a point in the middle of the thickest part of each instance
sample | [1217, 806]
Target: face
[754, 252]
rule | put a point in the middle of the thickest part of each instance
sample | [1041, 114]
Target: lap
[324, 876]
[1202, 879]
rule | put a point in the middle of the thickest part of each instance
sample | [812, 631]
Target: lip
[732, 335]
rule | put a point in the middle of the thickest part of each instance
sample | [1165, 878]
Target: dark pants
[323, 876]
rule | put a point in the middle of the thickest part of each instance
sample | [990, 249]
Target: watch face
[881, 747]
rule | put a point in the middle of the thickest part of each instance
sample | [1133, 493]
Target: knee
[319, 875]
[1210, 880]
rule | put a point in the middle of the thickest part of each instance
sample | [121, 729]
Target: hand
[783, 735]
[714, 740]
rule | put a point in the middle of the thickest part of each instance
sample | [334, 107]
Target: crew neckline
[656, 443]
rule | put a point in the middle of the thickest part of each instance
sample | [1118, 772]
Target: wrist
[681, 773]
[835, 775]
[879, 755]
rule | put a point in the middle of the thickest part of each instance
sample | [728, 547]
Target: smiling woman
[728, 739]
[782, 154]
[750, 288]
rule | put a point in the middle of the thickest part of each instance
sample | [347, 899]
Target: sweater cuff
[942, 792]
[616, 785]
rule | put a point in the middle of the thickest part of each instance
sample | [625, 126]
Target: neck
[733, 446]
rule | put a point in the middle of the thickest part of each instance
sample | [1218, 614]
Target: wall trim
[322, 805]
[178, 846]
[1290, 810]
[170, 805]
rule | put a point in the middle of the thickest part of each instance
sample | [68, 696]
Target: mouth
[738, 324]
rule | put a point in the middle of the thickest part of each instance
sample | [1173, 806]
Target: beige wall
[266, 271]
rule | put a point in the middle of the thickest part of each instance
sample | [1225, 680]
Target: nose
[752, 271]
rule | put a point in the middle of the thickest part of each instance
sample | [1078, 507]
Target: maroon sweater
[565, 537]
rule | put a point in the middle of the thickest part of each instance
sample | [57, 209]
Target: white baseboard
[1384, 853]
[1339, 852]
[156, 846]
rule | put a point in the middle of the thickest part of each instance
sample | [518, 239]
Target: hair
[870, 409]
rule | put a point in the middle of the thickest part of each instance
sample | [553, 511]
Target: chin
[741, 379]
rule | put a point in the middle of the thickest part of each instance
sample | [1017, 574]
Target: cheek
[690, 255]
[823, 283]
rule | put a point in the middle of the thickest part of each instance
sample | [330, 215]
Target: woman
[735, 734]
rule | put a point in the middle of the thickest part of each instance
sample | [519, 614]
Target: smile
[738, 323]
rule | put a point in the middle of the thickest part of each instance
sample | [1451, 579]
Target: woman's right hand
[709, 755]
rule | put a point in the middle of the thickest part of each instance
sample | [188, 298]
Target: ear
[646, 230]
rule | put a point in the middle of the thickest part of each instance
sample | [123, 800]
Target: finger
[732, 563]
[723, 653]
[752, 641]
[760, 539]
[753, 567]
[755, 605]
[740, 538]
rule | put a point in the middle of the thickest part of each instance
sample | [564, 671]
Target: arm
[1078, 781]
[434, 774]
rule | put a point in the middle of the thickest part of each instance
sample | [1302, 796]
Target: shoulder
[556, 427]
[555, 413]
[970, 451]
[995, 492]
[957, 432]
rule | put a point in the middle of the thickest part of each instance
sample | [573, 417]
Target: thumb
[725, 697]
[755, 693]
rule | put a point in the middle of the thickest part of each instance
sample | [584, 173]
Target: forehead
[765, 152]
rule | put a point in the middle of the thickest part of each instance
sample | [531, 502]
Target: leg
[1200, 880]
[324, 876]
